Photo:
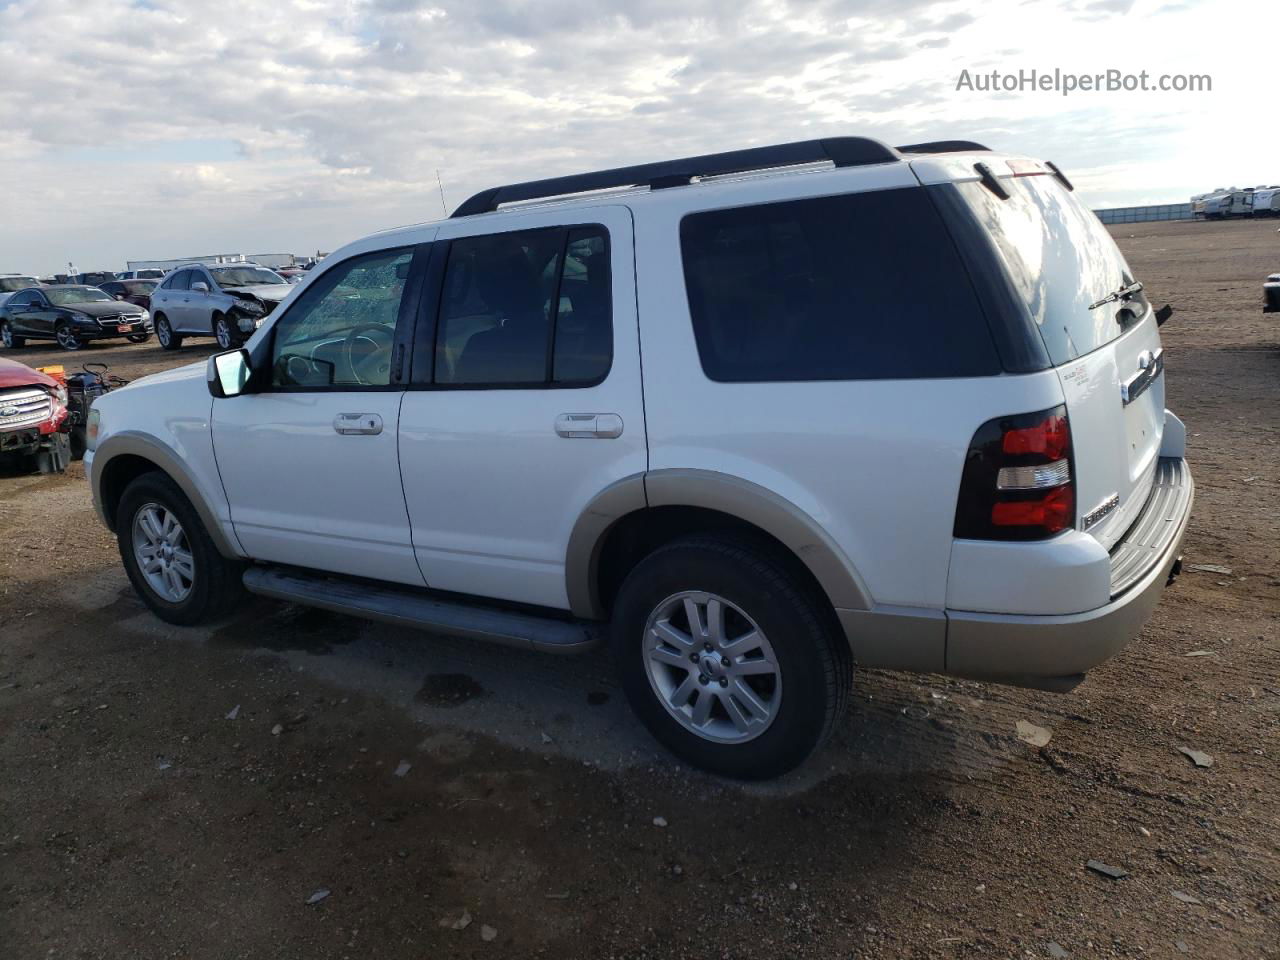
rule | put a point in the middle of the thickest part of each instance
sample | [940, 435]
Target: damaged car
[35, 428]
[225, 301]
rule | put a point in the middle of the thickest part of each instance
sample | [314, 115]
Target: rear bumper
[1054, 651]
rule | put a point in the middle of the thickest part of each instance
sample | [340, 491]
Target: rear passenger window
[864, 286]
[526, 309]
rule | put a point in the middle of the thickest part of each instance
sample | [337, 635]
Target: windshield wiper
[1124, 293]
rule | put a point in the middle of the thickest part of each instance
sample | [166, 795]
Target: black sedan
[70, 314]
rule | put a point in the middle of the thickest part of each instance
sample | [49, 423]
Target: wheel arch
[124, 457]
[635, 515]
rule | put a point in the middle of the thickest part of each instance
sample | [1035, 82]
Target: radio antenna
[440, 183]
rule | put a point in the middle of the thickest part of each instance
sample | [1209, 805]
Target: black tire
[216, 587]
[138, 337]
[814, 660]
[223, 332]
[9, 339]
[164, 333]
[65, 334]
[79, 442]
[55, 458]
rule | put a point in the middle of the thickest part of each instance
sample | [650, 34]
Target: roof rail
[842, 151]
[943, 146]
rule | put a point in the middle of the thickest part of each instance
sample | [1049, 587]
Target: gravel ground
[296, 784]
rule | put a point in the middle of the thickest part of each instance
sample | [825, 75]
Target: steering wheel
[359, 332]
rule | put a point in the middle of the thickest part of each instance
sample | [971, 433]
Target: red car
[34, 424]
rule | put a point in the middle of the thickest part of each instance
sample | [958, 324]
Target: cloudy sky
[135, 129]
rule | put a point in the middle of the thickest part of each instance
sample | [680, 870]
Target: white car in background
[224, 301]
[11, 283]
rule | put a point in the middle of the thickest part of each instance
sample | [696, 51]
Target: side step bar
[406, 607]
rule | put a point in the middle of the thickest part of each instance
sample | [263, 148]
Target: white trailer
[1266, 201]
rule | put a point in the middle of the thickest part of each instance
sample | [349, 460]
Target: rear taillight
[1017, 480]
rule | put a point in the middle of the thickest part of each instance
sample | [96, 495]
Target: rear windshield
[1061, 260]
[865, 286]
[14, 284]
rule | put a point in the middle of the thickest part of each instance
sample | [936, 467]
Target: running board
[406, 607]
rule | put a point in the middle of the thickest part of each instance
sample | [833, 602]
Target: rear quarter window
[864, 286]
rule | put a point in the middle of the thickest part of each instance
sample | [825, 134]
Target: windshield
[1061, 260]
[14, 284]
[64, 296]
[150, 274]
[139, 286]
[245, 276]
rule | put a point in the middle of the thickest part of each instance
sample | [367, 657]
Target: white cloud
[170, 126]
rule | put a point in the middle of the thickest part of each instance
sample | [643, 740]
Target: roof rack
[944, 146]
[842, 151]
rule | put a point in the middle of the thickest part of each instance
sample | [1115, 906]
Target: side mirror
[199, 287]
[119, 296]
[228, 373]
[1163, 314]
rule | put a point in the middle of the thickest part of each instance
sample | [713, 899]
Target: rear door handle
[357, 424]
[589, 426]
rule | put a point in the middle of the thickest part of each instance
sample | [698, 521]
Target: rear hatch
[1097, 327]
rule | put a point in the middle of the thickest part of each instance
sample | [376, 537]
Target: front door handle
[357, 424]
[596, 426]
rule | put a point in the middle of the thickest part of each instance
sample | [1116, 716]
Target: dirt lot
[139, 819]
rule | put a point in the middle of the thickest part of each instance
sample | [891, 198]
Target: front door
[526, 399]
[309, 463]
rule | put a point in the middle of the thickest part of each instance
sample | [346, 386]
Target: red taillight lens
[1049, 438]
[1054, 511]
[1017, 482]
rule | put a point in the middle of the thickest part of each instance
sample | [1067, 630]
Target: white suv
[753, 416]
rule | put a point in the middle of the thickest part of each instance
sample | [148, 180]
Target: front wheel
[66, 337]
[222, 333]
[728, 657]
[170, 558]
[164, 333]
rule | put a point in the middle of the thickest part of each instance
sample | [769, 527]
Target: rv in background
[1266, 201]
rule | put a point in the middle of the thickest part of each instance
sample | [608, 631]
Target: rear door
[1099, 331]
[526, 398]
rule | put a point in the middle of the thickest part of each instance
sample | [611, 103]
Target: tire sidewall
[157, 488]
[782, 611]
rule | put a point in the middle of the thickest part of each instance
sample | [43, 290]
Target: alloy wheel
[66, 338]
[162, 331]
[6, 336]
[163, 554]
[222, 333]
[711, 667]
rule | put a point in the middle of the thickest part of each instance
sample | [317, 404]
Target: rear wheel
[7, 337]
[728, 658]
[170, 558]
[164, 333]
[66, 336]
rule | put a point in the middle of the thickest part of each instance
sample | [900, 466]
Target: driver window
[341, 331]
